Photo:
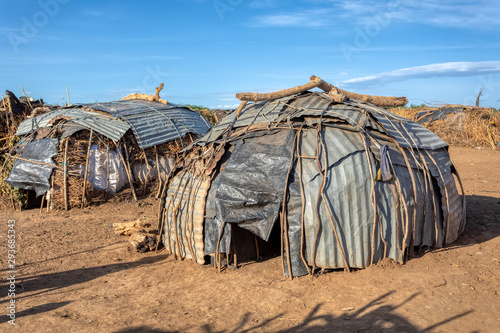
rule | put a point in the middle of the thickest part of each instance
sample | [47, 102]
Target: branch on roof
[336, 94]
[147, 97]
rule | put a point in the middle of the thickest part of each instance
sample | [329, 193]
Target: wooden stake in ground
[65, 174]
[86, 169]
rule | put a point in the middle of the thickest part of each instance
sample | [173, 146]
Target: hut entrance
[246, 247]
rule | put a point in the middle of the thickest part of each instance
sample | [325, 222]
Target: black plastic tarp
[34, 176]
[249, 190]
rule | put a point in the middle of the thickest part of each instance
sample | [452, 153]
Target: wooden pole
[159, 175]
[86, 169]
[41, 205]
[9, 112]
[6, 115]
[65, 174]
[50, 199]
[27, 98]
[67, 94]
[107, 172]
[126, 166]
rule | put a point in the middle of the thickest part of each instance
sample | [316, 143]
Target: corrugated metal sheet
[317, 104]
[348, 192]
[106, 125]
[409, 134]
[154, 123]
[254, 113]
[183, 230]
[440, 166]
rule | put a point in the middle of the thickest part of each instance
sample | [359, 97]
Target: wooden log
[338, 95]
[128, 228]
[65, 174]
[255, 97]
[86, 169]
[143, 241]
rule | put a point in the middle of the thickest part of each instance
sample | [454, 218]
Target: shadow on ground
[482, 223]
[35, 310]
[50, 282]
[373, 317]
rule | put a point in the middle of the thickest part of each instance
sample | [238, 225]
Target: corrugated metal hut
[339, 185]
[100, 147]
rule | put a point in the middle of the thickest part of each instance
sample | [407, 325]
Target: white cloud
[477, 14]
[225, 107]
[447, 69]
[313, 18]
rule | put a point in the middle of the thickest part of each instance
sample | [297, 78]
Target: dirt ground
[75, 275]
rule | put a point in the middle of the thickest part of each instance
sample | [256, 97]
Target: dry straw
[474, 127]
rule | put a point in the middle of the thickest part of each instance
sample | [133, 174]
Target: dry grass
[475, 127]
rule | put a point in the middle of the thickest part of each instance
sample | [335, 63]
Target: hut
[99, 148]
[462, 125]
[328, 181]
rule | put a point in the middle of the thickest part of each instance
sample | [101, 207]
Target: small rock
[349, 308]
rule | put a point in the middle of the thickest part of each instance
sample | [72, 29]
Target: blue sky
[206, 51]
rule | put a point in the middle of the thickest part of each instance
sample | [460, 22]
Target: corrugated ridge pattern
[106, 125]
[186, 188]
[154, 123]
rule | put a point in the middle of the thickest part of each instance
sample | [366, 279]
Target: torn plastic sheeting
[252, 185]
[98, 165]
[249, 190]
[32, 176]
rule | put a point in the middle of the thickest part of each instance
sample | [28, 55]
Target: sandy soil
[75, 275]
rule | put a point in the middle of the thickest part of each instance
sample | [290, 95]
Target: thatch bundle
[465, 126]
